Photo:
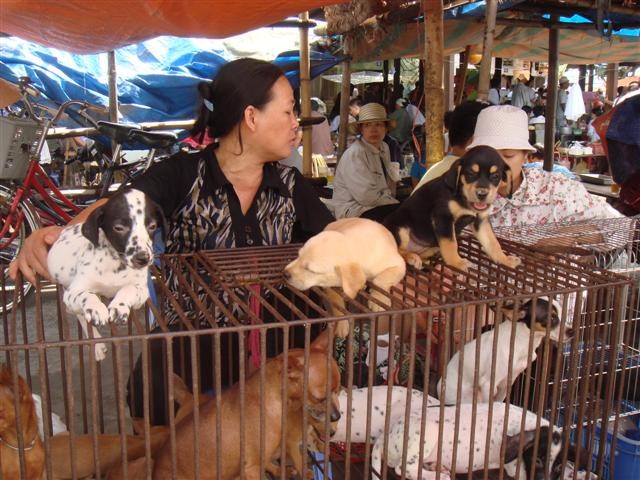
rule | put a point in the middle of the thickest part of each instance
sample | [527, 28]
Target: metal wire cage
[219, 316]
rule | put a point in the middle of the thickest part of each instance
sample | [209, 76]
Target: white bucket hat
[503, 127]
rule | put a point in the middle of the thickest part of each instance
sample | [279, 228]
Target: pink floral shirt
[547, 197]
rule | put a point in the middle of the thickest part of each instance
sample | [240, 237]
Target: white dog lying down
[346, 254]
[108, 255]
[359, 414]
[466, 447]
[532, 319]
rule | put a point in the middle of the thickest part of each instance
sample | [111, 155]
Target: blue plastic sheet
[156, 79]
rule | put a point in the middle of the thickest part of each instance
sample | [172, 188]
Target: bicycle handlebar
[27, 90]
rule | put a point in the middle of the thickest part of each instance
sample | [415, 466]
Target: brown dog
[9, 452]
[109, 445]
[274, 406]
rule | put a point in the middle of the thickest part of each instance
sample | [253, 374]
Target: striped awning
[575, 47]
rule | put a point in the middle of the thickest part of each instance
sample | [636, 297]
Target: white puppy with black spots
[108, 255]
[360, 414]
[467, 448]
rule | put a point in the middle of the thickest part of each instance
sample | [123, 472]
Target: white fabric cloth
[360, 183]
[575, 103]
[547, 197]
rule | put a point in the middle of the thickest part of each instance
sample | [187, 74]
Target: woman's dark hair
[237, 85]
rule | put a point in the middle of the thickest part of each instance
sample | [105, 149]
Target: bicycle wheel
[11, 250]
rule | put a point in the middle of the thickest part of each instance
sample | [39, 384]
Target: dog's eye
[494, 177]
[118, 228]
[152, 226]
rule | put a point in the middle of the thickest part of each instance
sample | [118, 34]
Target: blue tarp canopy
[156, 79]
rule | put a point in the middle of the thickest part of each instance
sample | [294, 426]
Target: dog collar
[26, 448]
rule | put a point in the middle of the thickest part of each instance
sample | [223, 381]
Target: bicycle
[31, 200]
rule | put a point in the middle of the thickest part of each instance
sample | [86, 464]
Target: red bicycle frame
[36, 179]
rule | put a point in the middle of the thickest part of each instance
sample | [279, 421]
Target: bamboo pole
[433, 91]
[305, 96]
[345, 96]
[464, 66]
[487, 49]
[113, 94]
[552, 94]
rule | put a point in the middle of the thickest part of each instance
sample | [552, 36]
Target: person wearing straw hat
[365, 179]
[563, 96]
[538, 196]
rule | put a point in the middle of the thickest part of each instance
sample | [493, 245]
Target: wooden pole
[433, 91]
[385, 83]
[464, 65]
[552, 95]
[449, 66]
[345, 96]
[397, 88]
[612, 81]
[305, 97]
[113, 94]
[487, 49]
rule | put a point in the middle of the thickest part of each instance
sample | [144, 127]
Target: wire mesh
[218, 316]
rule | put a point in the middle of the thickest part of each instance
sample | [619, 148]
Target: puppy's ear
[352, 278]
[91, 226]
[505, 189]
[511, 450]
[453, 175]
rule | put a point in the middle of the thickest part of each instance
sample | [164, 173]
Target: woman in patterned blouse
[233, 193]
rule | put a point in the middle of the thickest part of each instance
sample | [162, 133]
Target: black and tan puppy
[431, 219]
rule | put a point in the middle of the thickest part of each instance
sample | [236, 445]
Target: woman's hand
[32, 258]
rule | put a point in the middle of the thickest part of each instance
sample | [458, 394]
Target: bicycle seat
[153, 139]
[117, 131]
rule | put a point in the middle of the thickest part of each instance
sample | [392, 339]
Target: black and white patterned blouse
[203, 210]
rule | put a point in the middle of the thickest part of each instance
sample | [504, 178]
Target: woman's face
[374, 132]
[515, 159]
[276, 123]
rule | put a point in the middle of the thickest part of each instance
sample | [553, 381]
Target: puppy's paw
[96, 313]
[119, 313]
[413, 260]
[462, 264]
[512, 261]
[100, 351]
[341, 328]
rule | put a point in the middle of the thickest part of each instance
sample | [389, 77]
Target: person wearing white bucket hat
[538, 196]
[365, 179]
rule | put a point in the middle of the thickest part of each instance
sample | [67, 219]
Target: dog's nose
[286, 275]
[141, 259]
[481, 194]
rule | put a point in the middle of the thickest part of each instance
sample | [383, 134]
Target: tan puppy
[9, 453]
[274, 404]
[346, 254]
